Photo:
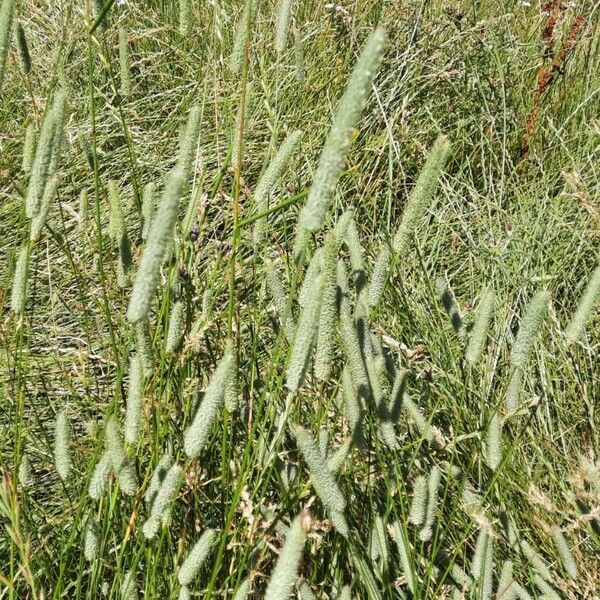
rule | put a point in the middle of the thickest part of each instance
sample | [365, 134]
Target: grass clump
[189, 277]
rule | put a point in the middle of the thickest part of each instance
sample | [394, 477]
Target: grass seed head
[135, 391]
[530, 326]
[481, 326]
[124, 62]
[585, 308]
[175, 332]
[323, 480]
[91, 542]
[62, 449]
[286, 569]
[22, 48]
[28, 148]
[421, 195]
[7, 9]
[20, 281]
[190, 567]
[100, 475]
[196, 435]
[326, 338]
[284, 16]
[333, 156]
[564, 551]
[159, 238]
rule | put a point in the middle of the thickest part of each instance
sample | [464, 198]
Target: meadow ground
[428, 429]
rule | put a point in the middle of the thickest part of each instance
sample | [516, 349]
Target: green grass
[500, 220]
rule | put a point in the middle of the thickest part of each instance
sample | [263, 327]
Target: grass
[515, 211]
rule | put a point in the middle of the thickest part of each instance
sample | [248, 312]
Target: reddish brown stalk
[547, 74]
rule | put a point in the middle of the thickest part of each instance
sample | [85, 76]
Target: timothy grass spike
[564, 551]
[28, 148]
[62, 450]
[285, 571]
[18, 299]
[100, 475]
[190, 567]
[39, 220]
[380, 275]
[530, 325]
[91, 542]
[284, 15]
[133, 414]
[158, 476]
[184, 18]
[323, 480]
[159, 237]
[119, 461]
[22, 48]
[280, 300]
[147, 208]
[189, 142]
[7, 9]
[494, 442]
[129, 589]
[164, 497]
[331, 162]
[306, 330]
[47, 152]
[418, 507]
[196, 434]
[175, 331]
[325, 353]
[481, 325]
[585, 308]
[269, 179]
[450, 306]
[421, 195]
[242, 35]
[433, 484]
[124, 62]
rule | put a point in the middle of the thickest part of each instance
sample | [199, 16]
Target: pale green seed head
[190, 567]
[285, 572]
[333, 156]
[62, 449]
